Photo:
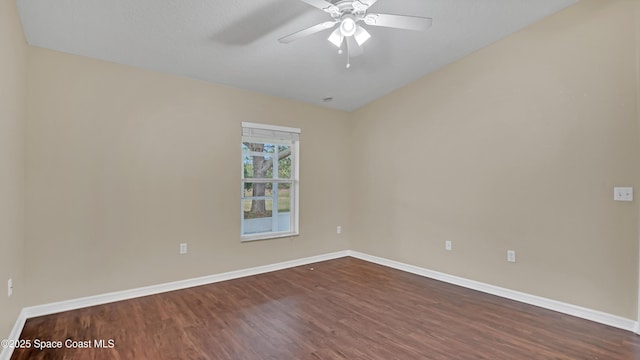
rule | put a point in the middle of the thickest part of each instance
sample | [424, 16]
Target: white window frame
[254, 132]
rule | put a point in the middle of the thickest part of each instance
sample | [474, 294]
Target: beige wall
[124, 164]
[517, 146]
[638, 126]
[13, 79]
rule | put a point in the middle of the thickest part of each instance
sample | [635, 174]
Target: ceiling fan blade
[306, 32]
[323, 5]
[399, 21]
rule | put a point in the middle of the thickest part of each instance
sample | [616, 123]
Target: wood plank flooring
[338, 309]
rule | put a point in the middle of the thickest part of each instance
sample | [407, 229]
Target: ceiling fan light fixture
[361, 35]
[348, 26]
[348, 34]
[336, 38]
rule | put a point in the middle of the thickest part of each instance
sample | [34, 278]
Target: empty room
[313, 179]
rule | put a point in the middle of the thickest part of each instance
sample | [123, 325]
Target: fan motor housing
[348, 8]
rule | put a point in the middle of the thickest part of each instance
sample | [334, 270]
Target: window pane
[282, 217]
[259, 215]
[284, 164]
[255, 189]
[256, 218]
[284, 197]
[256, 166]
[261, 165]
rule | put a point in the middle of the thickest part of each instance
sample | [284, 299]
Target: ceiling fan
[347, 14]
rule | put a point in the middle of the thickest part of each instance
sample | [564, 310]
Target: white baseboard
[61, 306]
[52, 308]
[581, 312]
[5, 354]
[569, 309]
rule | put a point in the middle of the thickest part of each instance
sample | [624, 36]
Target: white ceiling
[234, 42]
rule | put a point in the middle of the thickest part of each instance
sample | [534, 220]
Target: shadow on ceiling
[260, 22]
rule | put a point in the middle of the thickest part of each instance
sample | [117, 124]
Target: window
[269, 186]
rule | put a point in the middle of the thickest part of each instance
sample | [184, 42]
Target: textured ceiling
[234, 42]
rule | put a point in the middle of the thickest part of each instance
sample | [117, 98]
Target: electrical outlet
[183, 248]
[448, 245]
[511, 256]
[339, 229]
[9, 287]
[623, 193]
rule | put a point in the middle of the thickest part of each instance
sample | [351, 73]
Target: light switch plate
[448, 245]
[623, 193]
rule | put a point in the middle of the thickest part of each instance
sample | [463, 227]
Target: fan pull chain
[348, 55]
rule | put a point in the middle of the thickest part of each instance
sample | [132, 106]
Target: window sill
[267, 236]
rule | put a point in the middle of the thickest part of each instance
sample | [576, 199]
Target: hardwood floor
[338, 309]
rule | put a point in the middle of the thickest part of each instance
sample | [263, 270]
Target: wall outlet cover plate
[623, 193]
